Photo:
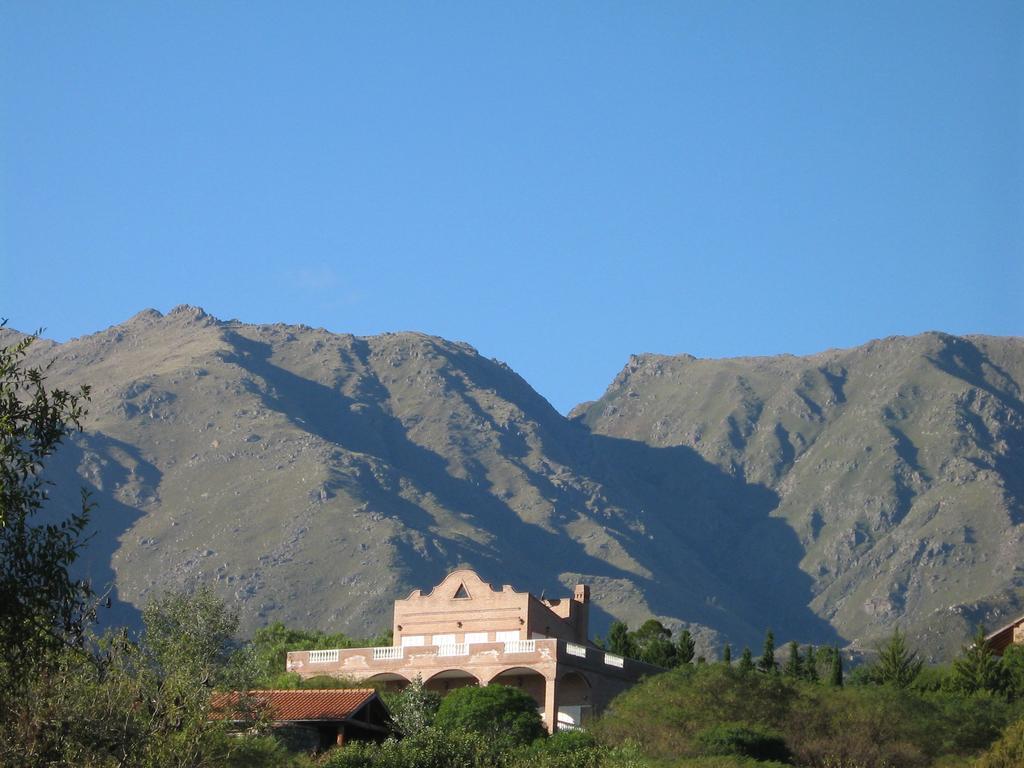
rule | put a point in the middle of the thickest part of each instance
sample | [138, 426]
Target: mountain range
[313, 477]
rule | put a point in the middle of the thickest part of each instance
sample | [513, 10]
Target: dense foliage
[499, 713]
[651, 643]
[42, 607]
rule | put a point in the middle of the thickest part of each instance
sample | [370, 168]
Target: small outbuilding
[311, 719]
[1011, 634]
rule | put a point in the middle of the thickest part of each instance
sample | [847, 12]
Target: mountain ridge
[314, 476]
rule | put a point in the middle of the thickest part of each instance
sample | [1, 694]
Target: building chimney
[581, 596]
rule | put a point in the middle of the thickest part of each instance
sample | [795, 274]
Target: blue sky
[559, 184]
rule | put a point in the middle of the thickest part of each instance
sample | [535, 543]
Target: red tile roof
[312, 704]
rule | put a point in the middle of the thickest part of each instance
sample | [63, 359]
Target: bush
[505, 716]
[665, 713]
[565, 749]
[262, 752]
[1008, 752]
[744, 740]
[431, 748]
[863, 726]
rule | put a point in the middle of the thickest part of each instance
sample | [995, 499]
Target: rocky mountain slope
[898, 465]
[312, 477]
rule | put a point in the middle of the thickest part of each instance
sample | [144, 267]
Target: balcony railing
[393, 652]
[576, 650]
[613, 661]
[323, 657]
[453, 649]
[520, 646]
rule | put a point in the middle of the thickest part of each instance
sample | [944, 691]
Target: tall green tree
[746, 663]
[811, 665]
[977, 668]
[1013, 669]
[653, 643]
[42, 607]
[767, 661]
[685, 646]
[727, 655]
[794, 668]
[897, 665]
[835, 676]
[620, 641]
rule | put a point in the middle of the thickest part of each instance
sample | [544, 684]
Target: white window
[410, 641]
[476, 637]
[507, 637]
[442, 640]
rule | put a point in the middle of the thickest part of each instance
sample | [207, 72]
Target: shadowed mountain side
[897, 465]
[504, 547]
[113, 473]
[727, 527]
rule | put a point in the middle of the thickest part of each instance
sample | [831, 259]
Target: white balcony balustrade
[613, 661]
[393, 652]
[576, 650]
[453, 649]
[520, 646]
[323, 657]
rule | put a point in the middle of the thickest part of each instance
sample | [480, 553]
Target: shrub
[665, 713]
[505, 716]
[745, 740]
[431, 748]
[566, 749]
[1008, 752]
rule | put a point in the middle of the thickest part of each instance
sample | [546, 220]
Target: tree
[978, 669]
[746, 661]
[767, 661]
[41, 606]
[500, 713]
[811, 665]
[897, 665]
[794, 668]
[727, 655]
[619, 640]
[653, 642]
[685, 647]
[144, 702]
[413, 709]
[835, 677]
[1013, 669]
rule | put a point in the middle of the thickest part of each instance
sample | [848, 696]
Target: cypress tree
[794, 668]
[619, 641]
[684, 647]
[897, 665]
[811, 665]
[978, 669]
[767, 661]
[746, 661]
[727, 655]
[836, 673]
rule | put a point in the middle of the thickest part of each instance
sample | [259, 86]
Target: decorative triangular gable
[461, 593]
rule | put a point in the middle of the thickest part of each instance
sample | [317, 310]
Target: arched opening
[574, 702]
[529, 680]
[449, 680]
[388, 681]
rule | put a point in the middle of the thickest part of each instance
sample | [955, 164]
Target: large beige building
[467, 632]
